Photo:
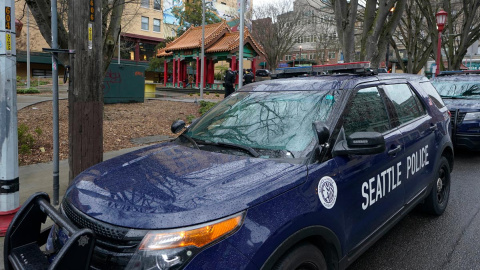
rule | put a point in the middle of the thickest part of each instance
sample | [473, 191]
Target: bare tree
[276, 27]
[413, 37]
[85, 95]
[373, 21]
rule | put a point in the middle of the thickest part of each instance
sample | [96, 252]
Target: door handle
[433, 127]
[394, 151]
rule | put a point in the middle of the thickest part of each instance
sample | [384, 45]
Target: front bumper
[468, 141]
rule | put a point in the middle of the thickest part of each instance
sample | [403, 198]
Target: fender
[313, 231]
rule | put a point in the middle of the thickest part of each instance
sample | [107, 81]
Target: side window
[433, 94]
[366, 112]
[405, 103]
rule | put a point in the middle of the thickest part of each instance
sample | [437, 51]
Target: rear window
[432, 94]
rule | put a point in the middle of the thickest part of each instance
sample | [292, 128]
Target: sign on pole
[9, 184]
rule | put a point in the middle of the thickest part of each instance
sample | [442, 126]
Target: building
[143, 27]
[318, 42]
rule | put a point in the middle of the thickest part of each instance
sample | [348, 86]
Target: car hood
[464, 105]
[170, 186]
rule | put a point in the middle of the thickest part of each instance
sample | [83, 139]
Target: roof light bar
[342, 66]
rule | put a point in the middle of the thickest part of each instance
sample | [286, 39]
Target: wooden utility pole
[85, 95]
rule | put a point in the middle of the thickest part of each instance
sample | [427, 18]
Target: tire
[304, 256]
[436, 202]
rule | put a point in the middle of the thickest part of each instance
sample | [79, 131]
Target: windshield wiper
[250, 150]
[191, 140]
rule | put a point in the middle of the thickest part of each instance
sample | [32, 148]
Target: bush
[190, 118]
[219, 76]
[25, 140]
[28, 91]
[205, 106]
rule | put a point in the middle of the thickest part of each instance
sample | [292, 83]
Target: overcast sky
[262, 2]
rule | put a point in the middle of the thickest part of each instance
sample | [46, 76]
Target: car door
[371, 187]
[418, 134]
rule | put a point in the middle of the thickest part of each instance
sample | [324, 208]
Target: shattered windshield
[266, 120]
[458, 89]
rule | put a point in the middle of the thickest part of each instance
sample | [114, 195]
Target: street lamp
[441, 17]
[299, 60]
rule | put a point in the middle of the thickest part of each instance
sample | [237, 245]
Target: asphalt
[39, 177]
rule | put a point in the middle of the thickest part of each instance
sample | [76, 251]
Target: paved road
[451, 241]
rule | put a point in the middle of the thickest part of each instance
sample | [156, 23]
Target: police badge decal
[327, 191]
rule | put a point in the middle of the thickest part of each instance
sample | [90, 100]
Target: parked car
[299, 173]
[262, 72]
[461, 93]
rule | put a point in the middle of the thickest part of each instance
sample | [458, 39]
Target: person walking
[248, 77]
[229, 82]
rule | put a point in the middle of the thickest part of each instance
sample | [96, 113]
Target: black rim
[442, 189]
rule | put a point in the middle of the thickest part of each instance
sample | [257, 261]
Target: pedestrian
[248, 77]
[229, 82]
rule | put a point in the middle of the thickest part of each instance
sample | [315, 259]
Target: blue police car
[302, 173]
[461, 93]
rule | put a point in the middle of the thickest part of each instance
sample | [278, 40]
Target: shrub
[25, 140]
[28, 91]
[205, 106]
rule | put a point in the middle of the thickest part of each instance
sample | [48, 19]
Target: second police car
[461, 92]
[301, 173]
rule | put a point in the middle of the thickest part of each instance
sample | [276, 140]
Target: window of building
[331, 55]
[156, 25]
[144, 23]
[127, 50]
[147, 51]
[145, 3]
[157, 5]
[288, 57]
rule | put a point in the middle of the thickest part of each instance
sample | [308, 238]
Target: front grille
[460, 116]
[113, 249]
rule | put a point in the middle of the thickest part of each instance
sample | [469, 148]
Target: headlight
[472, 116]
[172, 249]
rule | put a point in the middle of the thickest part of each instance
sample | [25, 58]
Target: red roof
[218, 38]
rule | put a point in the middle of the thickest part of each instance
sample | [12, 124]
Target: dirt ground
[122, 123]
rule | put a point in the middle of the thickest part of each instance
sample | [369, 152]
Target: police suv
[461, 92]
[301, 173]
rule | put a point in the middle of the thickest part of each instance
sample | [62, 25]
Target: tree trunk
[85, 96]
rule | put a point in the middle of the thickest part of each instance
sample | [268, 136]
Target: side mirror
[177, 126]
[360, 143]
[322, 132]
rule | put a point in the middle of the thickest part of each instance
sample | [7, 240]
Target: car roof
[325, 82]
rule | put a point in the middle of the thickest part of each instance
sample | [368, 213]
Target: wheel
[304, 256]
[437, 200]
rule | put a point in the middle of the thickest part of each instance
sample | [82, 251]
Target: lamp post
[441, 17]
